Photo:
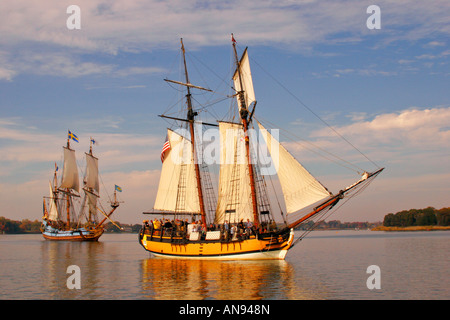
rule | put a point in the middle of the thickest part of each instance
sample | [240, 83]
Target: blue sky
[386, 90]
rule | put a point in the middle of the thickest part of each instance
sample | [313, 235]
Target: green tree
[388, 220]
[443, 216]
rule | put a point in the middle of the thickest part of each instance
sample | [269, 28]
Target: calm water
[325, 265]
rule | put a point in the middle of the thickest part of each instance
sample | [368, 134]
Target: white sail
[177, 190]
[92, 203]
[246, 79]
[91, 178]
[234, 200]
[300, 188]
[53, 211]
[70, 178]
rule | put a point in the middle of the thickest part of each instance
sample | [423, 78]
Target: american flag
[165, 148]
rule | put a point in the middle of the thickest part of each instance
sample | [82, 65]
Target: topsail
[243, 76]
[70, 171]
[91, 178]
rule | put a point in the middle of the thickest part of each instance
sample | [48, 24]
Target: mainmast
[243, 112]
[190, 118]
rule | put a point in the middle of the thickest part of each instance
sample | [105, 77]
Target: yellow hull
[271, 247]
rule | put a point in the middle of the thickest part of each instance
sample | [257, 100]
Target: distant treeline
[418, 217]
[24, 226]
[338, 225]
[128, 228]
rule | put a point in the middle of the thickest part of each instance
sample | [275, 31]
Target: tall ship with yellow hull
[69, 215]
[191, 221]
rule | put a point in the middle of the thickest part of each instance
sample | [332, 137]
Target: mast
[67, 195]
[190, 118]
[70, 179]
[243, 112]
[91, 182]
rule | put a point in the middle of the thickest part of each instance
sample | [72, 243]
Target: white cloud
[137, 26]
[424, 128]
[138, 70]
[6, 74]
[24, 146]
[65, 64]
[363, 72]
[435, 44]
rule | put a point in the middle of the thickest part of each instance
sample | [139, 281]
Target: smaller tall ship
[69, 215]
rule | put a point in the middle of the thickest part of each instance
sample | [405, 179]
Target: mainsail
[70, 178]
[300, 188]
[234, 201]
[177, 191]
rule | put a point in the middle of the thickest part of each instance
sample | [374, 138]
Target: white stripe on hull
[266, 255]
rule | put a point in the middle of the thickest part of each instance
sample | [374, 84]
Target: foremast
[190, 119]
[70, 178]
[245, 119]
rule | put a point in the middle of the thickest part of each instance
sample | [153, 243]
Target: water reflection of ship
[60, 255]
[176, 279]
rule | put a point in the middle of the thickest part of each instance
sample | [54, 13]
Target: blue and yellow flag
[118, 188]
[73, 136]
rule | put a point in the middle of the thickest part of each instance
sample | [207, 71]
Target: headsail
[234, 201]
[177, 191]
[300, 188]
[53, 211]
[70, 178]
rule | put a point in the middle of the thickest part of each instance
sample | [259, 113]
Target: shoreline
[412, 228]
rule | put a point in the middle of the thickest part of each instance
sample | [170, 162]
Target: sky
[385, 90]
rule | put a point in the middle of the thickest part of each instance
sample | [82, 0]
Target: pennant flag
[73, 136]
[93, 141]
[56, 167]
[118, 188]
[165, 148]
[232, 39]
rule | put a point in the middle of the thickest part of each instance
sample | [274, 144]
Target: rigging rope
[331, 211]
[290, 137]
[315, 114]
